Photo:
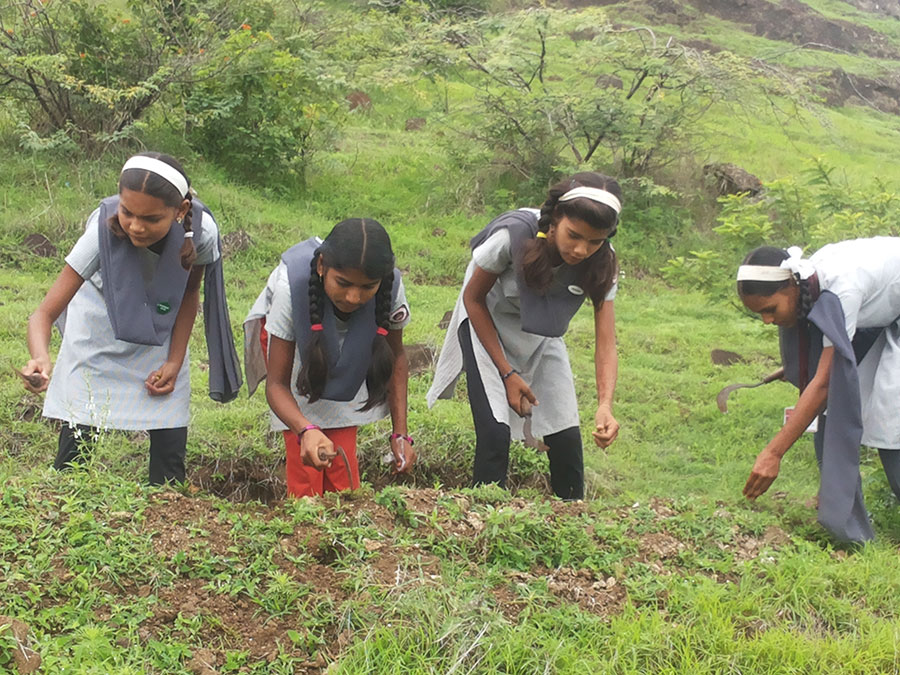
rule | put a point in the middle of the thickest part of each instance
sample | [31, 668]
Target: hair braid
[381, 366]
[188, 249]
[314, 369]
[537, 261]
[804, 300]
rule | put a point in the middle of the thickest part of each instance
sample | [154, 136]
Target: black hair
[772, 256]
[363, 244]
[597, 277]
[141, 180]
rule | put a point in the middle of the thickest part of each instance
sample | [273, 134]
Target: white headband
[762, 273]
[596, 195]
[793, 265]
[160, 168]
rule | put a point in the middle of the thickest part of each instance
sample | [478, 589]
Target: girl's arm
[809, 405]
[397, 401]
[162, 381]
[474, 296]
[279, 364]
[606, 364]
[40, 324]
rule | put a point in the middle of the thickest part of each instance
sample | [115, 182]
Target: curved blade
[722, 396]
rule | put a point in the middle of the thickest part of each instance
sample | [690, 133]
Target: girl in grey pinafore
[530, 272]
[840, 308]
[125, 302]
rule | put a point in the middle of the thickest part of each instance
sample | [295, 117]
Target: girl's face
[146, 219]
[575, 240]
[779, 308]
[348, 289]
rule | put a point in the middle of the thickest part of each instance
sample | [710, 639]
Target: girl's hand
[36, 375]
[161, 382]
[763, 474]
[404, 455]
[316, 449]
[606, 426]
[516, 389]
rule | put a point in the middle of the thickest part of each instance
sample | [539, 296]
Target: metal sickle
[325, 457]
[722, 396]
[530, 440]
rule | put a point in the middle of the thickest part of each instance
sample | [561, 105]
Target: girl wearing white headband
[531, 270]
[839, 318]
[125, 302]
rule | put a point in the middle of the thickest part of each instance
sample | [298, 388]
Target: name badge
[576, 290]
[163, 307]
[813, 426]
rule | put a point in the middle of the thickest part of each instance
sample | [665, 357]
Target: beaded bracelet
[506, 377]
[408, 439]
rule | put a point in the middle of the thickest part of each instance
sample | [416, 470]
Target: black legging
[167, 450]
[492, 438]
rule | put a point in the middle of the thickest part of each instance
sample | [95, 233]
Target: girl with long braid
[125, 302]
[327, 333]
[838, 314]
[531, 270]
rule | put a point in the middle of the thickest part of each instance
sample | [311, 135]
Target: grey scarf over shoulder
[842, 510]
[144, 313]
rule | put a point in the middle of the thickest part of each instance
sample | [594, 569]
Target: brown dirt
[179, 526]
[789, 21]
[25, 657]
[841, 88]
[796, 22]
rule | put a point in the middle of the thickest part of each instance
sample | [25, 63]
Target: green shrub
[80, 71]
[263, 117]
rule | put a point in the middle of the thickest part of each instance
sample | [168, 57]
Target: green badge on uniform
[163, 307]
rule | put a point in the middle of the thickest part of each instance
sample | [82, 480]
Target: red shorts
[305, 481]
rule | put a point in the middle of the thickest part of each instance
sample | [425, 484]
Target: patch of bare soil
[841, 88]
[796, 22]
[184, 530]
[241, 480]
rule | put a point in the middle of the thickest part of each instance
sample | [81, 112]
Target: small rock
[359, 99]
[438, 232]
[722, 357]
[39, 245]
[444, 323]
[420, 358]
[730, 179]
[203, 662]
[415, 124]
[235, 242]
[608, 82]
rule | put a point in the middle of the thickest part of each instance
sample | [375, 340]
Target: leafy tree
[265, 116]
[82, 71]
[558, 91]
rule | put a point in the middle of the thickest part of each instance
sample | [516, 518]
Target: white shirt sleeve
[84, 257]
[494, 255]
[208, 244]
[280, 317]
[399, 310]
[611, 295]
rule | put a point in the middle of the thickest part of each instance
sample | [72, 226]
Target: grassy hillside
[665, 568]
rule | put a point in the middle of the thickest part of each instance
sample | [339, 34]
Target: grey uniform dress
[865, 275]
[542, 361]
[274, 304]
[98, 381]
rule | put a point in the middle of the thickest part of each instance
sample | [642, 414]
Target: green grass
[665, 569]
